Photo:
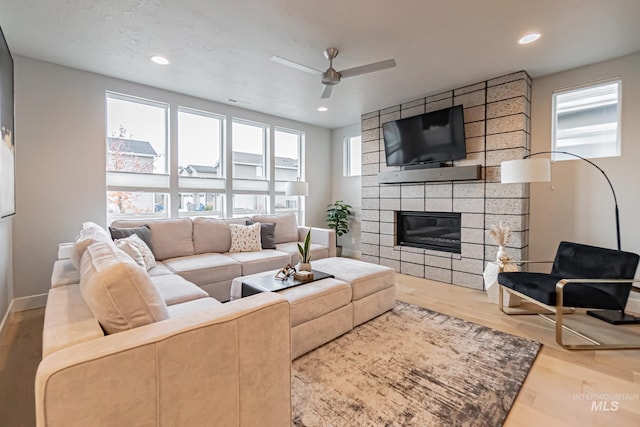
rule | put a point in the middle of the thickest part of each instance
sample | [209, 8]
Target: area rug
[412, 367]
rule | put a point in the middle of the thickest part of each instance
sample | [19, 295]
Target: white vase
[304, 266]
[501, 255]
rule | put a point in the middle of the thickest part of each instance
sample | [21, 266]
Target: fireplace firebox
[438, 231]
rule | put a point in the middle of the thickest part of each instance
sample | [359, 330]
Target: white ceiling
[221, 49]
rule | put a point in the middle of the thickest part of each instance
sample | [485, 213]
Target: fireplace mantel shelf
[454, 173]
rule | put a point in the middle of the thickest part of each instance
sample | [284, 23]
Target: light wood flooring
[559, 390]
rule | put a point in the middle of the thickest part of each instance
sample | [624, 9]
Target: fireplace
[438, 231]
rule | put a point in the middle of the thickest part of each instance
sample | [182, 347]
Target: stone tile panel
[437, 274]
[501, 141]
[470, 99]
[507, 90]
[439, 96]
[468, 280]
[438, 105]
[411, 269]
[507, 107]
[413, 111]
[470, 88]
[370, 123]
[474, 114]
[506, 124]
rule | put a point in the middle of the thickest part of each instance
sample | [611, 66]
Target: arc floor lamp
[528, 170]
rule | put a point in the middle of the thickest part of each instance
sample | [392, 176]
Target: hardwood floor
[590, 388]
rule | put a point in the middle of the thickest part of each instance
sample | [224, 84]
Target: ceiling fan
[331, 77]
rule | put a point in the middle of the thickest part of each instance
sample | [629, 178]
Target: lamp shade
[525, 170]
[296, 188]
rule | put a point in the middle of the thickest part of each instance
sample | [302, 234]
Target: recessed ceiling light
[323, 109]
[160, 60]
[529, 38]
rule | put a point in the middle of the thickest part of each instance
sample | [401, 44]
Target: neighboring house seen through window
[586, 121]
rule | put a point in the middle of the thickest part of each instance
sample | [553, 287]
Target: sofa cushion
[267, 234]
[245, 238]
[159, 270]
[286, 226]
[64, 273]
[317, 251]
[365, 278]
[119, 293]
[259, 261]
[316, 299]
[211, 235]
[143, 232]
[170, 238]
[135, 246]
[204, 269]
[176, 290]
[89, 234]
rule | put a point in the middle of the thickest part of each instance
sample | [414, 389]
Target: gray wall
[578, 205]
[346, 188]
[60, 131]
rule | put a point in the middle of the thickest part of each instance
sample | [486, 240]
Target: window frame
[616, 146]
[348, 155]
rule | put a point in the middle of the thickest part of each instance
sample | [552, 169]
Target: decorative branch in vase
[501, 234]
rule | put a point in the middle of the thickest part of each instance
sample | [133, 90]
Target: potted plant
[305, 253]
[338, 218]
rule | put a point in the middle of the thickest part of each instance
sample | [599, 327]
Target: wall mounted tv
[427, 139]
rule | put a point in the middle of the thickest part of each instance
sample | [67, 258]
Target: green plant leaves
[338, 215]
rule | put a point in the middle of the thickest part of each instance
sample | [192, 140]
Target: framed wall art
[7, 144]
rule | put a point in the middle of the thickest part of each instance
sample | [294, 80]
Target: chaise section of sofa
[227, 364]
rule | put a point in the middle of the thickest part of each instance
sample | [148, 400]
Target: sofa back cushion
[170, 238]
[89, 234]
[119, 293]
[286, 226]
[211, 235]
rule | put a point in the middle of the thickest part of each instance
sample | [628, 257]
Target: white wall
[578, 205]
[60, 128]
[6, 268]
[346, 188]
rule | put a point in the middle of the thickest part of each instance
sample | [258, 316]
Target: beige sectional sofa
[198, 250]
[125, 346]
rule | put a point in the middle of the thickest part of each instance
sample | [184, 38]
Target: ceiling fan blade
[326, 93]
[369, 68]
[295, 65]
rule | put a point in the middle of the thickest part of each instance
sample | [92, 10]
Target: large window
[249, 150]
[586, 121]
[352, 165]
[288, 167]
[209, 165]
[200, 164]
[136, 148]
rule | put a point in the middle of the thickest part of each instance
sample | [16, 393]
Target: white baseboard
[21, 304]
[5, 321]
[29, 303]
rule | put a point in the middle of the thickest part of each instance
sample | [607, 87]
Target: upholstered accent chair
[582, 276]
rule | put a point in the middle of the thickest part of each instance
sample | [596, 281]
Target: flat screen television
[429, 138]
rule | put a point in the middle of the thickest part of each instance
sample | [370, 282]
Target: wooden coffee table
[267, 282]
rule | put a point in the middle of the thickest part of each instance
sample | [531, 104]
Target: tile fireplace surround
[496, 116]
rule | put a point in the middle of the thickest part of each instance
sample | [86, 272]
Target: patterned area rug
[412, 367]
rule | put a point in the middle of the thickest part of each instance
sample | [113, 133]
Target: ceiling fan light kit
[331, 77]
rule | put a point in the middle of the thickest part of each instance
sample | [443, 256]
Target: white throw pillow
[130, 250]
[245, 238]
[119, 293]
[134, 244]
[90, 233]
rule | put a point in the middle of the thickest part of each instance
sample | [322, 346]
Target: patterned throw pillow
[245, 238]
[135, 242]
